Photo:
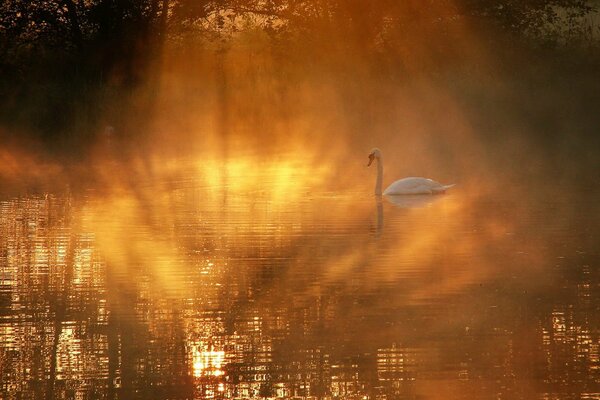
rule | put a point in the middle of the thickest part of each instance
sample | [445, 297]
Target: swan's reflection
[402, 201]
[379, 205]
[413, 201]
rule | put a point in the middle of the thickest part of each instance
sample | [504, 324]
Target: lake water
[195, 287]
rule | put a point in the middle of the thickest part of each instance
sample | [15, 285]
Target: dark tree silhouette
[97, 44]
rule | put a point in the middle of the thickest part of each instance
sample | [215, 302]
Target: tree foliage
[74, 23]
[56, 56]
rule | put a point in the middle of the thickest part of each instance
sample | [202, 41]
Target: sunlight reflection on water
[246, 284]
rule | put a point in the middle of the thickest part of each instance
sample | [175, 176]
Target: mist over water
[207, 111]
[209, 230]
[265, 282]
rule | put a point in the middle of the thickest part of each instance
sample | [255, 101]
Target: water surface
[192, 288]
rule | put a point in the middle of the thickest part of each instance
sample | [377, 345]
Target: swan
[406, 185]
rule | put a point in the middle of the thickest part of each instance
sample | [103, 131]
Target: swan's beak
[371, 158]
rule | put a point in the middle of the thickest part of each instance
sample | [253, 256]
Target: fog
[475, 120]
[186, 209]
[285, 120]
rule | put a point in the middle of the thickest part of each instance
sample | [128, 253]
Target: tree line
[121, 24]
[56, 54]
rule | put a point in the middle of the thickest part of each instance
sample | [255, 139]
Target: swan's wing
[415, 185]
[408, 186]
[409, 183]
[442, 188]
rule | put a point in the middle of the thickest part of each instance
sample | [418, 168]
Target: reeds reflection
[247, 277]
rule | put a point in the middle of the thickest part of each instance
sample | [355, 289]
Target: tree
[120, 26]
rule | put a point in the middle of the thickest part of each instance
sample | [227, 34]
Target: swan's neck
[379, 177]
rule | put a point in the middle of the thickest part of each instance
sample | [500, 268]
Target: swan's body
[406, 185]
[415, 186]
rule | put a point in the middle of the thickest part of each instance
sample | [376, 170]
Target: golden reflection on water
[251, 278]
[206, 362]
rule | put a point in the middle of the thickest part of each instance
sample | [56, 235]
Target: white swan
[406, 185]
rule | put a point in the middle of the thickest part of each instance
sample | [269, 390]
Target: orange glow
[221, 240]
[207, 362]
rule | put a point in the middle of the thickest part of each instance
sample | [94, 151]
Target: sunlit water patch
[258, 285]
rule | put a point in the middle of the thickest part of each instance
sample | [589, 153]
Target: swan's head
[375, 154]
